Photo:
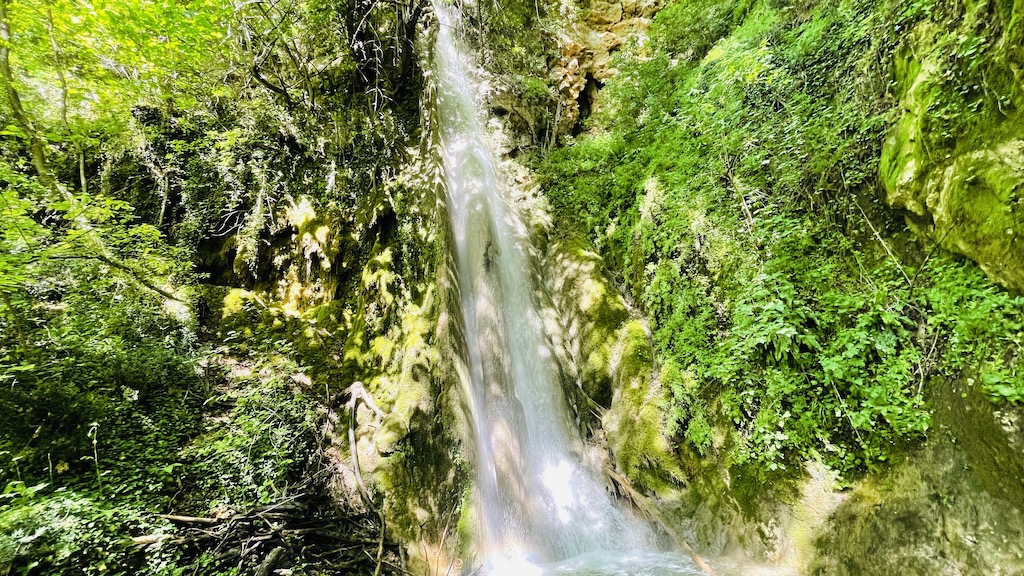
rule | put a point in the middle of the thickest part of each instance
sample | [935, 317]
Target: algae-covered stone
[901, 164]
[954, 507]
[635, 423]
[924, 518]
[977, 204]
[592, 313]
[955, 158]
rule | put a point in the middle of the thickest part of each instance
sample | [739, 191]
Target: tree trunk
[36, 143]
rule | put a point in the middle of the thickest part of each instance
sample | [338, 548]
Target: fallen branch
[271, 561]
[188, 519]
[648, 508]
[885, 246]
[148, 539]
[300, 529]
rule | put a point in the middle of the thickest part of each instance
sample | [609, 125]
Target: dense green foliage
[212, 222]
[148, 148]
[730, 180]
[164, 449]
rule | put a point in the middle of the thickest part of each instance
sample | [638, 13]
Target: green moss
[234, 302]
[954, 157]
[405, 386]
[469, 524]
[597, 313]
[742, 215]
[636, 357]
[635, 422]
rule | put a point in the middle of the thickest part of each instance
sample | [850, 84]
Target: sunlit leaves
[21, 236]
[719, 183]
[100, 58]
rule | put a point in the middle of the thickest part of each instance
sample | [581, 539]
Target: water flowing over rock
[539, 498]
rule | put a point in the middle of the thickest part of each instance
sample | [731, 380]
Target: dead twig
[885, 246]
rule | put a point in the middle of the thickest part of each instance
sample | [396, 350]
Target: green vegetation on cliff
[731, 180]
[215, 222]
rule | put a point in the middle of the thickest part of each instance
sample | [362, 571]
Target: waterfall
[538, 500]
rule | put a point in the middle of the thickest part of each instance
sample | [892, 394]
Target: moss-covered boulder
[955, 158]
[636, 421]
[589, 313]
[926, 517]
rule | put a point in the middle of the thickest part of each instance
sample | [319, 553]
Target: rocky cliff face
[944, 510]
[585, 55]
[953, 163]
[955, 159]
[540, 103]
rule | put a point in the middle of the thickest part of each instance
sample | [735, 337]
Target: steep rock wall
[951, 160]
[585, 54]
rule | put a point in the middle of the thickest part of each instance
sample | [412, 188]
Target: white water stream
[542, 508]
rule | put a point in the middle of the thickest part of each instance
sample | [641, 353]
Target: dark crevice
[586, 101]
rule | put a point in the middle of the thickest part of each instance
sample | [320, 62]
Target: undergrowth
[238, 436]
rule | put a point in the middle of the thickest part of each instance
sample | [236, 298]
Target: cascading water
[539, 502]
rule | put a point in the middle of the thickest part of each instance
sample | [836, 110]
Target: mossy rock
[593, 312]
[991, 436]
[963, 189]
[925, 517]
[978, 209]
[635, 423]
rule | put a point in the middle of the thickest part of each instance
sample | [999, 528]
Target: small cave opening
[586, 101]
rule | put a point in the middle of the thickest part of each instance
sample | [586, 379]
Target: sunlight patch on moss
[234, 302]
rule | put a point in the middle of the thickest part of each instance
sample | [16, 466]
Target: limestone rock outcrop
[585, 56]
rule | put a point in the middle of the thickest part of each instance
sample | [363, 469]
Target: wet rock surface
[927, 516]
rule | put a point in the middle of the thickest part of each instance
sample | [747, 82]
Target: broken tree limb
[352, 405]
[648, 508]
[271, 561]
[148, 539]
[188, 519]
[357, 393]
